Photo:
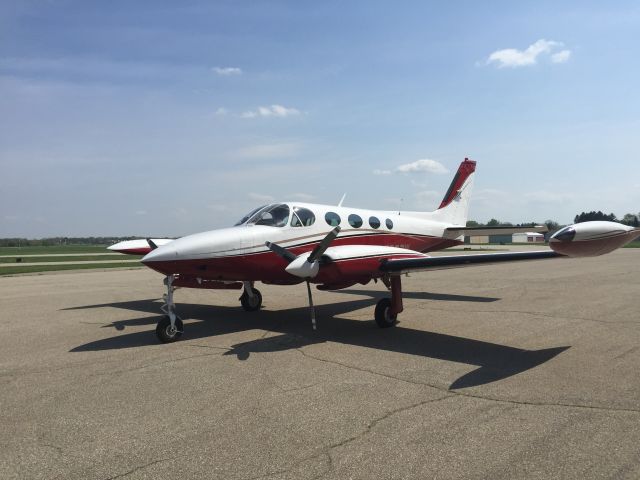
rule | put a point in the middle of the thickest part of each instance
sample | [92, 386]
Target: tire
[251, 304]
[164, 333]
[383, 318]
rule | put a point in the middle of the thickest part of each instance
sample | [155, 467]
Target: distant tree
[493, 223]
[472, 223]
[591, 216]
[631, 220]
[552, 225]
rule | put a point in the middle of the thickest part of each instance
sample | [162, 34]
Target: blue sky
[166, 118]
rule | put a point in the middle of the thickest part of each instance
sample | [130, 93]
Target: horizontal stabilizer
[455, 232]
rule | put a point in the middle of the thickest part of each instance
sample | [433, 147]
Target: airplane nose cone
[160, 254]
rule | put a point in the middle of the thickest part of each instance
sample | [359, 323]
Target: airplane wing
[455, 232]
[139, 247]
[404, 265]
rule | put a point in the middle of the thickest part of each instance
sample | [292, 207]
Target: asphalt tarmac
[527, 370]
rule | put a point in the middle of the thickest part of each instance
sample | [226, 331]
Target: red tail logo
[466, 168]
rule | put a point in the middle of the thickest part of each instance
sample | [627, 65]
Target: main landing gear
[169, 329]
[251, 298]
[387, 309]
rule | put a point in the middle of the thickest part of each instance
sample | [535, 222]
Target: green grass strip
[83, 258]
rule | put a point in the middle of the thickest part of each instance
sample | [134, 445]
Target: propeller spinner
[306, 265]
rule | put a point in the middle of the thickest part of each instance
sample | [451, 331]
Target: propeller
[305, 266]
[152, 244]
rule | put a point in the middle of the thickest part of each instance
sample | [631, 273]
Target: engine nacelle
[590, 239]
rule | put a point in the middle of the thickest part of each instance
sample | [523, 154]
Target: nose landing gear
[169, 329]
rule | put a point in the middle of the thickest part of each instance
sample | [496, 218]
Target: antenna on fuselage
[342, 199]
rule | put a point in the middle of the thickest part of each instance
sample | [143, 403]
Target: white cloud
[227, 71]
[422, 165]
[561, 56]
[259, 197]
[381, 172]
[221, 111]
[512, 57]
[271, 111]
[271, 150]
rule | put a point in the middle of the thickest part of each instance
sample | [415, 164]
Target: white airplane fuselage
[239, 253]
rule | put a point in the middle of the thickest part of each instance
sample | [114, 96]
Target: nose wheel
[251, 298]
[169, 329]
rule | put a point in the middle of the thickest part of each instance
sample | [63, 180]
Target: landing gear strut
[169, 329]
[387, 309]
[251, 298]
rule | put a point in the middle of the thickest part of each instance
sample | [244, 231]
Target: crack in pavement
[471, 395]
[141, 467]
[327, 449]
[541, 314]
[149, 365]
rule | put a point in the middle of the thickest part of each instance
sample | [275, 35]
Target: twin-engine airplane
[337, 247]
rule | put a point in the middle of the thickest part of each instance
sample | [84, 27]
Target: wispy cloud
[544, 196]
[512, 57]
[271, 111]
[422, 165]
[221, 111]
[259, 197]
[301, 197]
[427, 196]
[227, 71]
[561, 56]
[269, 150]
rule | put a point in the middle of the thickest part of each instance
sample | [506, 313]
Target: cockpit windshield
[249, 215]
[275, 215]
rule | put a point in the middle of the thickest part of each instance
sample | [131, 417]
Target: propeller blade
[283, 252]
[152, 244]
[323, 245]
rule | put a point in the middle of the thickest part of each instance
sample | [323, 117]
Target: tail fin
[454, 207]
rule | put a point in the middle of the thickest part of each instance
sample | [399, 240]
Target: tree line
[630, 219]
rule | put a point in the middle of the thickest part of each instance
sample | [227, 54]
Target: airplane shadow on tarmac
[495, 362]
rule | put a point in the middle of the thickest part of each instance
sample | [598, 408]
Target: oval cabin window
[374, 222]
[355, 220]
[332, 219]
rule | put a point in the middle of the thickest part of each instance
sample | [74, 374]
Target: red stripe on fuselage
[268, 267]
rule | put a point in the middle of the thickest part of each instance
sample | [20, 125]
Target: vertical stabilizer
[454, 208]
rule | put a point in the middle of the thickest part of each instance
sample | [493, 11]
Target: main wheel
[165, 333]
[383, 316]
[251, 304]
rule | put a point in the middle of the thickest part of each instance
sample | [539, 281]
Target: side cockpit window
[275, 215]
[302, 217]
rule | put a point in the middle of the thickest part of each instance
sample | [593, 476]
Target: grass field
[52, 268]
[55, 249]
[83, 258]
[61, 253]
